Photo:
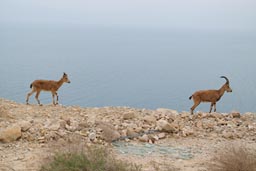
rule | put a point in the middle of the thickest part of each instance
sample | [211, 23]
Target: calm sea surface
[129, 67]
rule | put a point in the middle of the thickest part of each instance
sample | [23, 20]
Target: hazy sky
[187, 14]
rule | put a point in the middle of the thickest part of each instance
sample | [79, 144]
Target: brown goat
[47, 85]
[210, 95]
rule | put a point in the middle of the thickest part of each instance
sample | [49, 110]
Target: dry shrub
[234, 157]
[93, 158]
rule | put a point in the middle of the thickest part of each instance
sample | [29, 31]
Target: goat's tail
[190, 97]
[31, 85]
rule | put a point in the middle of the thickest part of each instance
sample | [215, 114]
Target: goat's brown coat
[47, 85]
[210, 96]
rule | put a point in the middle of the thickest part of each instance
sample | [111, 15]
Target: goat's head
[65, 78]
[226, 85]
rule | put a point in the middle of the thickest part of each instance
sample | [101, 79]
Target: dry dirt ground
[47, 129]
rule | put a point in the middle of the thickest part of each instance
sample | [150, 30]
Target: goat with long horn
[211, 96]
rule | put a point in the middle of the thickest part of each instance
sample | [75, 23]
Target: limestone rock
[235, 114]
[186, 131]
[131, 133]
[92, 136]
[144, 138]
[217, 115]
[10, 134]
[167, 111]
[128, 115]
[228, 135]
[109, 133]
[165, 126]
[161, 135]
[25, 125]
[185, 114]
[150, 119]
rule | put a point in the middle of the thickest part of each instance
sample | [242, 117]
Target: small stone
[235, 114]
[251, 127]
[185, 114]
[54, 127]
[162, 135]
[92, 136]
[217, 115]
[150, 119]
[144, 138]
[131, 133]
[228, 135]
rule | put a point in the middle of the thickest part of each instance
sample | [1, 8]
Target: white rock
[92, 136]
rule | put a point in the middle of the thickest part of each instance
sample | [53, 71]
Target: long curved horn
[225, 79]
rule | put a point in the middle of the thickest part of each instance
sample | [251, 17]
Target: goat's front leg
[53, 98]
[213, 104]
[37, 98]
[211, 107]
[214, 107]
[57, 97]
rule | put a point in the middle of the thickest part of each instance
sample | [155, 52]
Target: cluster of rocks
[42, 124]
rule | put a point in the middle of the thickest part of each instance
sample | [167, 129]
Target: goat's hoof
[40, 105]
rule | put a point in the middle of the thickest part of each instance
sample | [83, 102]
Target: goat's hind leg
[194, 106]
[29, 94]
[37, 99]
[53, 98]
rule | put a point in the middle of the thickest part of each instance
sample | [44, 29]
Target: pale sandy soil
[44, 137]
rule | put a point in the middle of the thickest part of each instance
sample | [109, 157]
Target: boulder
[10, 134]
[164, 125]
[109, 133]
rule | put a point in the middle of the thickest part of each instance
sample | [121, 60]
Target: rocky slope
[29, 132]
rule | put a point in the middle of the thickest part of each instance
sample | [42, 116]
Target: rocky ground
[29, 134]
